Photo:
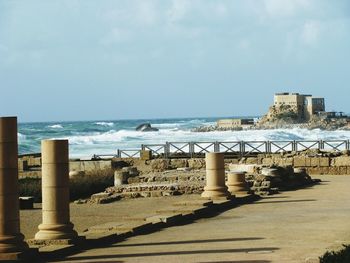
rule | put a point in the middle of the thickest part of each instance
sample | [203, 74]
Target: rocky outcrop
[279, 116]
[145, 127]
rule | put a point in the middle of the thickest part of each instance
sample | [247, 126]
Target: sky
[130, 59]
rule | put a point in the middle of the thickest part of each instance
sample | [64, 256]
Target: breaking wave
[105, 124]
[55, 126]
[86, 138]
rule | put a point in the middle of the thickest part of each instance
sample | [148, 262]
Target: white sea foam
[85, 141]
[21, 137]
[106, 124]
[136, 138]
[56, 126]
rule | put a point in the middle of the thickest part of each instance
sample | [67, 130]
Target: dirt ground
[295, 226]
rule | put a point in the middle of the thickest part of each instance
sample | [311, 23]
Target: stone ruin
[260, 180]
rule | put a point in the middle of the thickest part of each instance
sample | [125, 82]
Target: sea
[87, 138]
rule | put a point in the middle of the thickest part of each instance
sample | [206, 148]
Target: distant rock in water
[145, 127]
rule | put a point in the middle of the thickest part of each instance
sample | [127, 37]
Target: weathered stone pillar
[120, 177]
[11, 240]
[236, 183]
[56, 223]
[215, 176]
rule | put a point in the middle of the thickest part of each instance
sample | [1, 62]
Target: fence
[234, 148]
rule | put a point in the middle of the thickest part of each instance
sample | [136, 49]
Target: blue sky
[120, 59]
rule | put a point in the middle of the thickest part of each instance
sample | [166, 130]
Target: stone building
[304, 105]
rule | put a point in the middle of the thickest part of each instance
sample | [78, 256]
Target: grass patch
[91, 183]
[79, 187]
[30, 187]
[341, 256]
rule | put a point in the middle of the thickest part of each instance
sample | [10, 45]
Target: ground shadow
[174, 253]
[240, 261]
[285, 201]
[188, 242]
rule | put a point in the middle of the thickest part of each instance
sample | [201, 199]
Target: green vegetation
[342, 256]
[79, 187]
[30, 187]
[90, 183]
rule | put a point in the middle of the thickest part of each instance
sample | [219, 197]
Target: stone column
[215, 176]
[236, 183]
[11, 240]
[56, 223]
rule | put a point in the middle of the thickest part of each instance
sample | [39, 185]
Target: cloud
[282, 8]
[221, 10]
[311, 32]
[146, 13]
[178, 10]
[116, 35]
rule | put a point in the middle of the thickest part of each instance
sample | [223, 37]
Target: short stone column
[215, 176]
[236, 183]
[11, 240]
[120, 177]
[56, 223]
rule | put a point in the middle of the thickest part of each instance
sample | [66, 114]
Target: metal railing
[234, 148]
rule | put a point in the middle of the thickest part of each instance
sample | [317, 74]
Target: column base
[215, 192]
[237, 190]
[28, 255]
[56, 232]
[12, 244]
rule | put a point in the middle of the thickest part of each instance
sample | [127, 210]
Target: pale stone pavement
[288, 227]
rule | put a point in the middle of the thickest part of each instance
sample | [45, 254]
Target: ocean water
[87, 138]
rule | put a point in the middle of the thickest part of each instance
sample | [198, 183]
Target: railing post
[216, 146]
[191, 148]
[347, 143]
[242, 148]
[294, 146]
[167, 150]
[321, 145]
[143, 147]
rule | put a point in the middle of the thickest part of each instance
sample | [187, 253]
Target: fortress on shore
[304, 106]
[287, 111]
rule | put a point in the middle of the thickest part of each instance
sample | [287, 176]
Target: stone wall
[315, 162]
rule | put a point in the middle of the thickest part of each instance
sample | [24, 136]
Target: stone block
[159, 165]
[146, 155]
[267, 161]
[248, 168]
[308, 161]
[283, 161]
[168, 218]
[342, 161]
[324, 161]
[37, 161]
[156, 194]
[251, 160]
[314, 162]
[342, 170]
[299, 161]
[22, 165]
[333, 170]
[233, 161]
[196, 163]
[314, 170]
[75, 166]
[178, 163]
[325, 170]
